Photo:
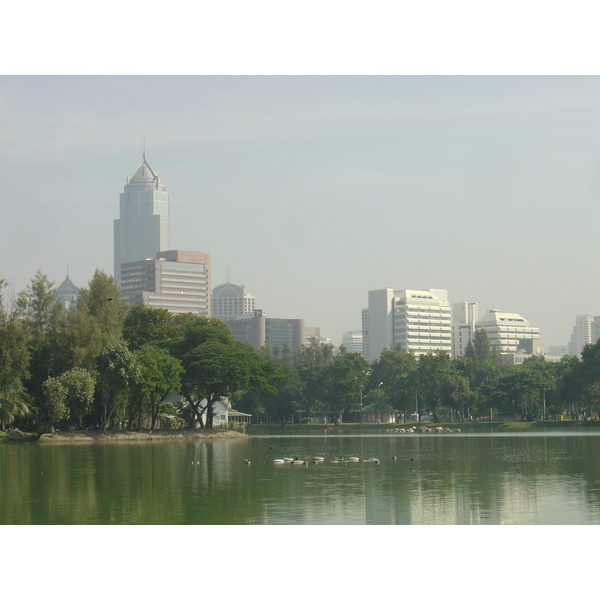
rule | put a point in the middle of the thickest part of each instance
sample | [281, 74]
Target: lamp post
[361, 400]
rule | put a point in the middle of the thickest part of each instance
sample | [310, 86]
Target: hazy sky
[314, 190]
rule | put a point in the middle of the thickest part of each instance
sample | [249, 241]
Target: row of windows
[518, 329]
[424, 328]
[168, 303]
[417, 308]
[438, 322]
[182, 286]
[189, 267]
[184, 277]
[186, 294]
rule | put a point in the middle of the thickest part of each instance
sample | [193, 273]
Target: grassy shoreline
[128, 437]
[464, 426]
[79, 437]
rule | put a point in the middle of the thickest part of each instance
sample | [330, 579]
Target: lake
[456, 478]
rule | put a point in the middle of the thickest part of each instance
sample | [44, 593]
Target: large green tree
[217, 369]
[343, 380]
[520, 390]
[144, 325]
[586, 388]
[438, 384]
[79, 385]
[96, 321]
[14, 361]
[41, 317]
[117, 371]
[282, 402]
[311, 363]
[159, 374]
[393, 374]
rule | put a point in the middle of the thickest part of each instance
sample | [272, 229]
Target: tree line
[476, 385]
[101, 363]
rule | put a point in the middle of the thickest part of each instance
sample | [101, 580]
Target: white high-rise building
[418, 320]
[143, 228]
[510, 332]
[464, 318]
[586, 331]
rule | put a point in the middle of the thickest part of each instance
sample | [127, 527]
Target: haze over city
[311, 191]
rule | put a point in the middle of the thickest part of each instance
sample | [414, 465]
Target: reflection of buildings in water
[212, 463]
[424, 494]
[522, 500]
[432, 504]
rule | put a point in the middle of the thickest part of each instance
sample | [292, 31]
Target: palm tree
[13, 403]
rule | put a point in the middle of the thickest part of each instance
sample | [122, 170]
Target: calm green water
[437, 479]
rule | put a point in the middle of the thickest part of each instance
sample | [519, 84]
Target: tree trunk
[196, 416]
[153, 413]
[209, 412]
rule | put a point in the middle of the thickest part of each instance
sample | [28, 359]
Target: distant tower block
[177, 280]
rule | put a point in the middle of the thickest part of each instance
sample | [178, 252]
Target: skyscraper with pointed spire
[143, 227]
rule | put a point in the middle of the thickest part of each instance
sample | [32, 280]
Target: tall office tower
[143, 226]
[464, 317]
[510, 332]
[583, 334]
[418, 320]
[230, 301]
[177, 280]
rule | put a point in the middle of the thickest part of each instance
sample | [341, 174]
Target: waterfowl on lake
[279, 461]
[246, 461]
[353, 459]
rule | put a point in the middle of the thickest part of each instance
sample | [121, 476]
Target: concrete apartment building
[176, 280]
[143, 227]
[418, 320]
[510, 333]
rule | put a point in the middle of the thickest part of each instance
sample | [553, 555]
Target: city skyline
[311, 191]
